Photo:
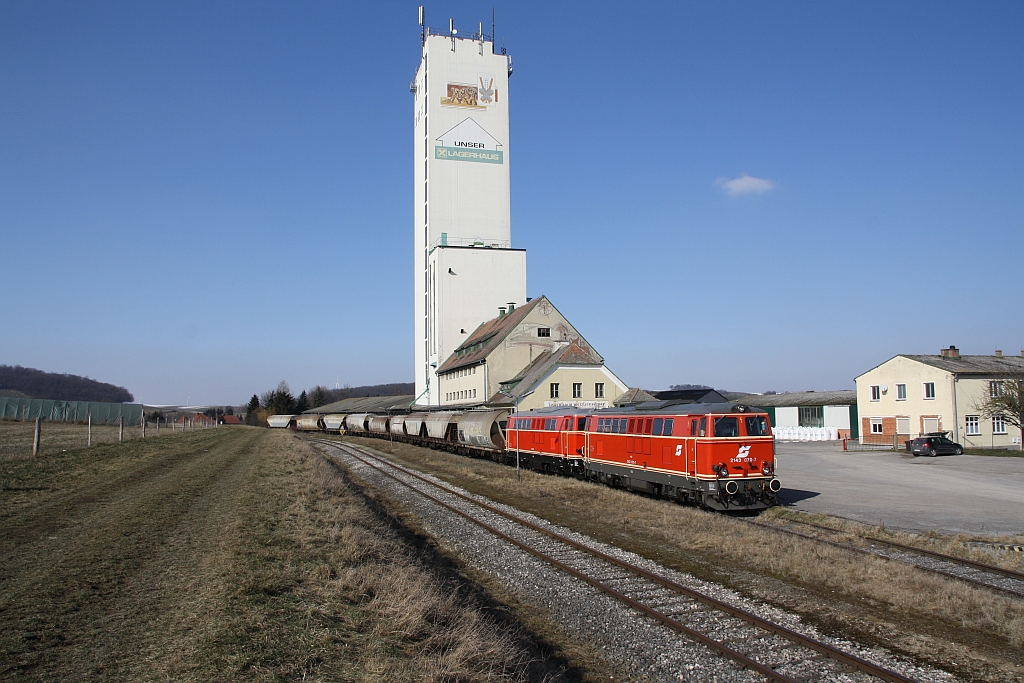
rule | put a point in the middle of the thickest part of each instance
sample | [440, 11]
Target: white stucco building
[465, 266]
[528, 357]
[909, 395]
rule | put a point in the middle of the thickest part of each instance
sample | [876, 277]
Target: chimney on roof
[511, 306]
[951, 352]
[501, 311]
[999, 353]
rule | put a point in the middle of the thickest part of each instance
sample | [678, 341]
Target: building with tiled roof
[530, 356]
[909, 395]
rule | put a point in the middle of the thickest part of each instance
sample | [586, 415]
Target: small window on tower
[543, 331]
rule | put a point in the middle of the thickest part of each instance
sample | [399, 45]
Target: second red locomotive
[720, 456]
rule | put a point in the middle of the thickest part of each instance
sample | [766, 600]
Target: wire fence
[20, 439]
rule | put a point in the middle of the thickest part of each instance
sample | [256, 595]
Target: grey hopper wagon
[483, 429]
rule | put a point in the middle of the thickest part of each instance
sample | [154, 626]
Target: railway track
[766, 649]
[980, 574]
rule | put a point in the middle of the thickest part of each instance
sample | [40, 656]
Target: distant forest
[22, 382]
[399, 389]
[281, 401]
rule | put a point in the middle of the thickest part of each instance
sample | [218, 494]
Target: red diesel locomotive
[721, 456]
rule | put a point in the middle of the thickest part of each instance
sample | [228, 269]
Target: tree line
[281, 401]
[22, 382]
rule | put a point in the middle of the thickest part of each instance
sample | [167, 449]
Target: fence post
[35, 439]
[120, 431]
[143, 424]
[88, 441]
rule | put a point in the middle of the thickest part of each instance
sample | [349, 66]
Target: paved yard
[964, 493]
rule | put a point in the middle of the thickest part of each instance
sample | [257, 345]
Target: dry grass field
[973, 632]
[231, 554]
[58, 437]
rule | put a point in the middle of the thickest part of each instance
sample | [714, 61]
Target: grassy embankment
[229, 554]
[974, 632]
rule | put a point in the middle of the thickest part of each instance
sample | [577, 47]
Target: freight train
[719, 456]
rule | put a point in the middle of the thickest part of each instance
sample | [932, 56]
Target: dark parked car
[935, 444]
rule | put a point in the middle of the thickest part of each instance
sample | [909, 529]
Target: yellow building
[530, 357]
[910, 395]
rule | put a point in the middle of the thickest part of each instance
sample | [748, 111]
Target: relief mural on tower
[476, 95]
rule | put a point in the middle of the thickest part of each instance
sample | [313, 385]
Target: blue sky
[207, 198]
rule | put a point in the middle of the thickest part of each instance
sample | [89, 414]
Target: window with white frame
[998, 424]
[599, 390]
[929, 389]
[995, 389]
[577, 389]
[972, 425]
[876, 392]
[554, 390]
[901, 392]
[876, 425]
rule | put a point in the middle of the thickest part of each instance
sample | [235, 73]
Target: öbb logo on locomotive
[719, 456]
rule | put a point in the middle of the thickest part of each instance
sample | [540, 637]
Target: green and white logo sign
[468, 141]
[461, 154]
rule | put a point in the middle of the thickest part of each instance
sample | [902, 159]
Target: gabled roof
[365, 404]
[690, 396]
[1003, 366]
[487, 337]
[573, 353]
[979, 365]
[803, 398]
[634, 396]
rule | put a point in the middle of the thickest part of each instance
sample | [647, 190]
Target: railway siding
[971, 631]
[630, 640]
[971, 571]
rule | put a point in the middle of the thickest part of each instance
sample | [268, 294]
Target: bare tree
[1006, 400]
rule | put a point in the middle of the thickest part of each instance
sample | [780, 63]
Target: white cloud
[745, 184]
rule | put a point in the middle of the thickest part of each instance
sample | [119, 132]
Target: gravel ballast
[632, 641]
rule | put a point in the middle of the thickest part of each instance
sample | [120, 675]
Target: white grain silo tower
[465, 265]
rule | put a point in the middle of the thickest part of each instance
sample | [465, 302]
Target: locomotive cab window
[666, 429]
[703, 430]
[656, 429]
[581, 424]
[727, 426]
[757, 425]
